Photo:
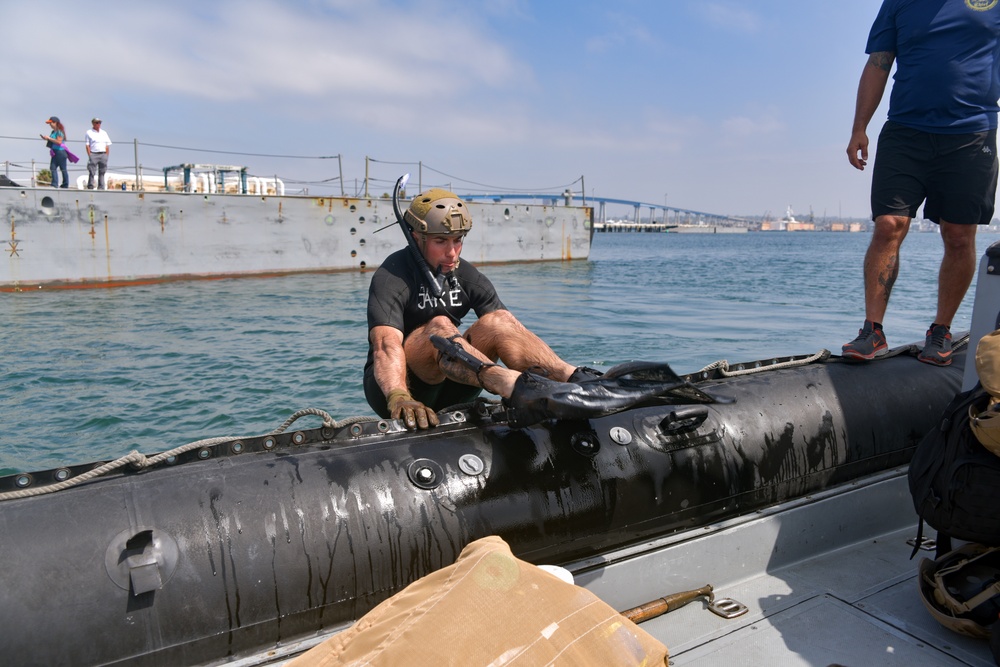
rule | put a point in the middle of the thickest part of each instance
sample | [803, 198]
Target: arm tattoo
[882, 60]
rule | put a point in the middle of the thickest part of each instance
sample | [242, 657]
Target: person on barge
[56, 143]
[98, 151]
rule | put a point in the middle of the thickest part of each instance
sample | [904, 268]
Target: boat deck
[827, 581]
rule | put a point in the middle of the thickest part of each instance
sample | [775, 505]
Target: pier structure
[661, 217]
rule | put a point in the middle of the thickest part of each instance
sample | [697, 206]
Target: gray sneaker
[937, 347]
[869, 344]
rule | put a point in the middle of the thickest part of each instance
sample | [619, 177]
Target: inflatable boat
[225, 549]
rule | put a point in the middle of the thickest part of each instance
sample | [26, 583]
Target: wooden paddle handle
[661, 606]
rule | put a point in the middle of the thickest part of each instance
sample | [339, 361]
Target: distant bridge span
[669, 214]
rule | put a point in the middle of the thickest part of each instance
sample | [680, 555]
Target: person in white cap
[98, 149]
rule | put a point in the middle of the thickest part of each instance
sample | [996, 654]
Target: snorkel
[436, 288]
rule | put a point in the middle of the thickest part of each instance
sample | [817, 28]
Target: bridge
[658, 213]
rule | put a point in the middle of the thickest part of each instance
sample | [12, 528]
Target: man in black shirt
[405, 377]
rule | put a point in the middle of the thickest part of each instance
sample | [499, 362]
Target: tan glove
[414, 413]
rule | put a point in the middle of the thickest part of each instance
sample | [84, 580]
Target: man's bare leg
[500, 335]
[958, 268]
[882, 263]
[422, 359]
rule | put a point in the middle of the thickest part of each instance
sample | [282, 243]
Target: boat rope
[722, 366]
[139, 460]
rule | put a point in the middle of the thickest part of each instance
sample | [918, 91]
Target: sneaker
[869, 344]
[937, 348]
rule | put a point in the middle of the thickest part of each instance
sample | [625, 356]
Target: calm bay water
[93, 374]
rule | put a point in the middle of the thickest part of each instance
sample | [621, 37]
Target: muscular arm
[874, 77]
[389, 357]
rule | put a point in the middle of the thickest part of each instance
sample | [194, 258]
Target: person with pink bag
[56, 141]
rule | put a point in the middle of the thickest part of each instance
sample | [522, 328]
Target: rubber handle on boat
[437, 289]
[661, 606]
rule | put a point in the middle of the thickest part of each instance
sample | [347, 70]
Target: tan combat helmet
[961, 589]
[985, 424]
[438, 211]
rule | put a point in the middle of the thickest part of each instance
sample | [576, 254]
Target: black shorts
[435, 396]
[955, 173]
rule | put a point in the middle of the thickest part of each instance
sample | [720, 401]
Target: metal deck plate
[820, 631]
[827, 580]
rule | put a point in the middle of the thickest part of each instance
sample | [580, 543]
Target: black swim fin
[634, 384]
[536, 398]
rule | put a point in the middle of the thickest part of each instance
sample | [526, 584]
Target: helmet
[438, 211]
[961, 589]
[988, 362]
[986, 426]
[986, 423]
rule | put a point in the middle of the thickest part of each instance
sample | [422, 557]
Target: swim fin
[635, 384]
[536, 398]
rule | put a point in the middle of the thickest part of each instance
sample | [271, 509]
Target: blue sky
[712, 105]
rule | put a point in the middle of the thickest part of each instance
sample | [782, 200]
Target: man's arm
[389, 357]
[874, 77]
[390, 373]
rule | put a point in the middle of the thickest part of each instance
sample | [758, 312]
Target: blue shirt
[56, 134]
[947, 78]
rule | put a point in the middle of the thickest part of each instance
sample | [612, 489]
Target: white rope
[723, 366]
[140, 461]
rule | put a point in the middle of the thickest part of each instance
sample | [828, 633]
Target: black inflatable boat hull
[264, 541]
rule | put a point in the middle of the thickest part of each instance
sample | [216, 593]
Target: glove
[414, 413]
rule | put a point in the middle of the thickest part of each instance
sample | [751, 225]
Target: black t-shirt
[399, 297]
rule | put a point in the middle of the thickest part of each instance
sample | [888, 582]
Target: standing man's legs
[958, 268]
[91, 168]
[965, 184]
[880, 272]
[102, 168]
[898, 189]
[882, 263]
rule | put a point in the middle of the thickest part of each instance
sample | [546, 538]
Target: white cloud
[731, 16]
[240, 51]
[621, 29]
[745, 126]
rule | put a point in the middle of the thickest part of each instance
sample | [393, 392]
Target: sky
[735, 108]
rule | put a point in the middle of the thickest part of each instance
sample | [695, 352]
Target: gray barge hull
[56, 238]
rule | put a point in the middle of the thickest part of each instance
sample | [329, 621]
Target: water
[93, 374]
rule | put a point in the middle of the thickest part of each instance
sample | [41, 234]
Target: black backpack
[954, 480]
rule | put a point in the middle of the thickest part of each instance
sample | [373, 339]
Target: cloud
[731, 17]
[623, 30]
[745, 126]
[246, 51]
